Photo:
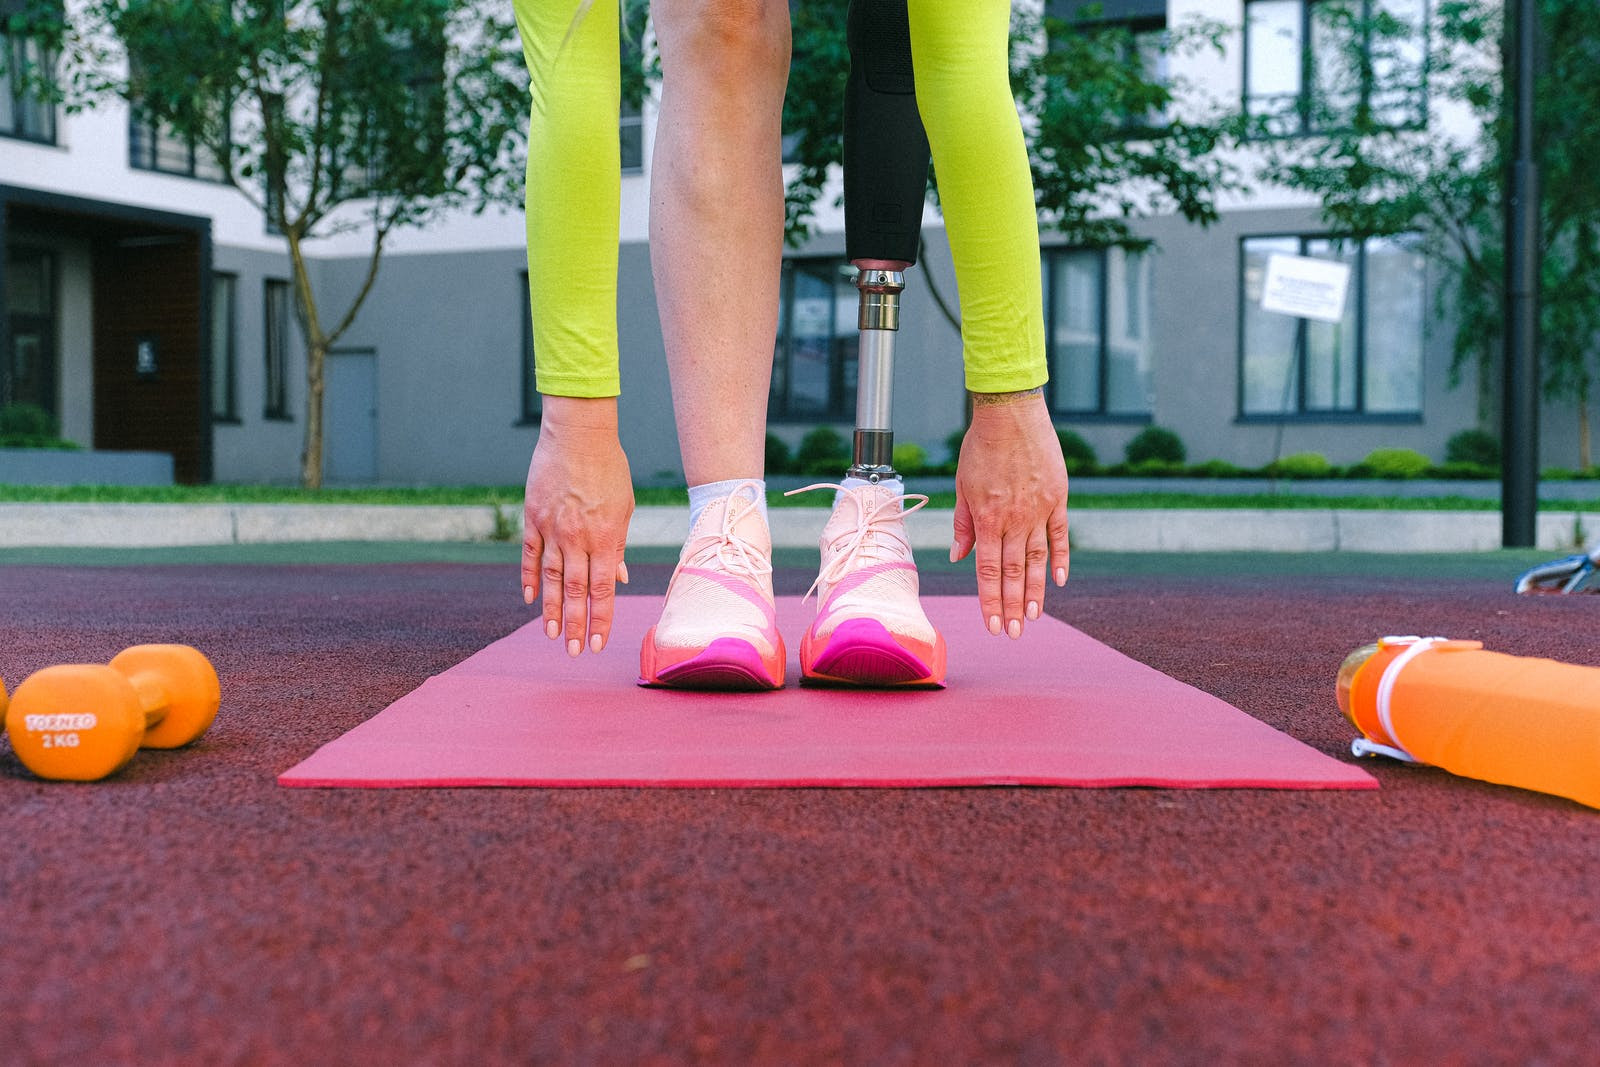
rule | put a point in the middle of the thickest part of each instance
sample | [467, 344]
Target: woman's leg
[716, 233]
[716, 223]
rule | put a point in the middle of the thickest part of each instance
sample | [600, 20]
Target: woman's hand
[1011, 504]
[576, 510]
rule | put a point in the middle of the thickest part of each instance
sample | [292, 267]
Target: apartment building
[149, 306]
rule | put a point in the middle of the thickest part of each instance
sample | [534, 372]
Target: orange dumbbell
[82, 722]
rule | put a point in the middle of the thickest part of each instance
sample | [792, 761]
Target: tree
[1439, 171]
[329, 115]
[1106, 141]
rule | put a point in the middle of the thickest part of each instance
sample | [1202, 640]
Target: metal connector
[880, 299]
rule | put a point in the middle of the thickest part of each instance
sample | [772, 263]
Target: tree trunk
[311, 457]
[316, 354]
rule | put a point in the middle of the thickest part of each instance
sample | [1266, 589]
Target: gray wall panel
[259, 449]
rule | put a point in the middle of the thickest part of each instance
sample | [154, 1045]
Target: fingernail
[1014, 628]
[952, 553]
[1061, 576]
[552, 629]
[527, 594]
[1033, 609]
[574, 646]
[622, 573]
[595, 644]
[994, 625]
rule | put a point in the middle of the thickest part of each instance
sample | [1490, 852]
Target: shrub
[779, 458]
[910, 458]
[952, 445]
[1463, 472]
[1556, 474]
[27, 426]
[1155, 468]
[28, 421]
[1396, 463]
[1077, 452]
[1302, 465]
[1217, 468]
[1473, 446]
[822, 451]
[1153, 442]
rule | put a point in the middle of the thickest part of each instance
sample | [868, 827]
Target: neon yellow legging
[960, 53]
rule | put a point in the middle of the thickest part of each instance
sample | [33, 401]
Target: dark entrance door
[150, 392]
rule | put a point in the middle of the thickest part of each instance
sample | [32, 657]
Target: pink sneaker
[719, 629]
[870, 629]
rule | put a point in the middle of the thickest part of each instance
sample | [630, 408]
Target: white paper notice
[1305, 286]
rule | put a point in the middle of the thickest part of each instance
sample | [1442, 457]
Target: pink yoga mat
[1056, 708]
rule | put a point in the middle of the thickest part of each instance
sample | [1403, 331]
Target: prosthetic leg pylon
[886, 159]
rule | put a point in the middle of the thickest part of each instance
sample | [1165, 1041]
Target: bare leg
[716, 223]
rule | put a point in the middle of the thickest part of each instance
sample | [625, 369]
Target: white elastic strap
[1362, 747]
[1386, 684]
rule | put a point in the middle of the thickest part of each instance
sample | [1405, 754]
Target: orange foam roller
[1512, 720]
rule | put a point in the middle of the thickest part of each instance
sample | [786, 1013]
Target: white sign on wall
[1305, 286]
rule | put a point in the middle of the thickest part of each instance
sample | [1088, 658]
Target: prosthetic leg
[885, 179]
[870, 629]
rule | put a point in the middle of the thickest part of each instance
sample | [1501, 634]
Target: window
[532, 402]
[1322, 65]
[224, 349]
[1135, 32]
[277, 349]
[632, 121]
[27, 67]
[28, 370]
[1097, 332]
[1369, 364]
[155, 143]
[814, 368]
[390, 139]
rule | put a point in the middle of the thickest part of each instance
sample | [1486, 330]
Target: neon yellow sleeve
[574, 193]
[960, 52]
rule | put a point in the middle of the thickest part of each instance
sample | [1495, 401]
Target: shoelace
[859, 540]
[734, 553]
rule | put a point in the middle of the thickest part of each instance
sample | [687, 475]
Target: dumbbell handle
[153, 699]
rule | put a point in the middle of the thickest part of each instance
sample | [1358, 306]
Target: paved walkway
[1094, 529]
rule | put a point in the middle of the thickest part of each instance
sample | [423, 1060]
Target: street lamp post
[1519, 471]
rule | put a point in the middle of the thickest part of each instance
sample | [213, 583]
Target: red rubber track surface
[189, 910]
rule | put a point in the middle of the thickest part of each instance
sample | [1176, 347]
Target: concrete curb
[1095, 529]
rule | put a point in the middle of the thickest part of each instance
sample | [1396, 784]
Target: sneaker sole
[726, 664]
[862, 653]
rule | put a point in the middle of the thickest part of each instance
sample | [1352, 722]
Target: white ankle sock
[894, 485]
[701, 495]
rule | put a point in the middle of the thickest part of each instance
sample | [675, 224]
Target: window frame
[225, 364]
[47, 320]
[1051, 255]
[1304, 119]
[146, 138]
[13, 82]
[1134, 22]
[275, 398]
[840, 407]
[532, 402]
[1301, 414]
